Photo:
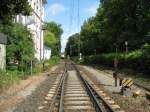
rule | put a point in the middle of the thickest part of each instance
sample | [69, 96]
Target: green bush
[9, 77]
[137, 60]
[20, 46]
[51, 62]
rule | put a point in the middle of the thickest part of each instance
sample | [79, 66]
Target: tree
[10, 8]
[126, 20]
[20, 48]
[116, 21]
[53, 33]
[72, 45]
[51, 41]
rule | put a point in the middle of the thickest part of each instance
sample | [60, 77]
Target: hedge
[137, 60]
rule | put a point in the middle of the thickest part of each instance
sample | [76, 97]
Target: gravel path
[33, 101]
[129, 104]
[22, 90]
[37, 98]
[106, 81]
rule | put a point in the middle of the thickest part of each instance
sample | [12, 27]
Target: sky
[65, 12]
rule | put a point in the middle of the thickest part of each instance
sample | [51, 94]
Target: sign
[116, 63]
[127, 82]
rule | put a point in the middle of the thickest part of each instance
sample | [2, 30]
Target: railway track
[73, 92]
[75, 96]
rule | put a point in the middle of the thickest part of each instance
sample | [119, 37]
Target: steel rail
[140, 86]
[97, 100]
[61, 106]
[57, 92]
[99, 104]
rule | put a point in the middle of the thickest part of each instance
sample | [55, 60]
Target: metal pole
[115, 65]
[70, 50]
[126, 44]
[95, 51]
[79, 47]
[31, 67]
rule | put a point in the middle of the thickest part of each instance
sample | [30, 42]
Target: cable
[72, 8]
[78, 25]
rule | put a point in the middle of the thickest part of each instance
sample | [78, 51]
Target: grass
[49, 63]
[8, 78]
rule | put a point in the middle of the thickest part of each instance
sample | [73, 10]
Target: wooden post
[115, 73]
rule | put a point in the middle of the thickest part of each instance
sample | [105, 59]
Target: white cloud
[91, 10]
[55, 9]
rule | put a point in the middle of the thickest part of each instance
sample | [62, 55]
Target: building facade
[3, 42]
[35, 23]
[47, 53]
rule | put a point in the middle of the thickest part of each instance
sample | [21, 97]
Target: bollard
[126, 91]
[126, 87]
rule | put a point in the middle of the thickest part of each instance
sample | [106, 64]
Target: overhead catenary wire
[78, 25]
[74, 20]
[71, 14]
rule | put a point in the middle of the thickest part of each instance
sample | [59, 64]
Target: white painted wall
[35, 23]
[47, 53]
[2, 56]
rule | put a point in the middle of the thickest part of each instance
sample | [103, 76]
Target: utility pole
[70, 50]
[126, 44]
[79, 46]
[95, 51]
[115, 64]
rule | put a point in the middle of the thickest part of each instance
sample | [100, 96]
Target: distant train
[62, 56]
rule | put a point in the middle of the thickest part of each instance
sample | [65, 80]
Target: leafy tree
[20, 48]
[54, 28]
[116, 21]
[126, 20]
[53, 33]
[51, 41]
[10, 8]
[72, 45]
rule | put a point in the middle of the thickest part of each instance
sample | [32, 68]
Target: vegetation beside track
[135, 64]
[7, 78]
[138, 60]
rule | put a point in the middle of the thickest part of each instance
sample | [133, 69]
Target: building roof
[3, 39]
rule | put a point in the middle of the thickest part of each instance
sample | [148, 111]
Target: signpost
[115, 73]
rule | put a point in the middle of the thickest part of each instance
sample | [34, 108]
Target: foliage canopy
[20, 48]
[116, 21]
[52, 37]
[10, 8]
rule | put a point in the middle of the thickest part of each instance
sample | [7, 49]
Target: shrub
[137, 60]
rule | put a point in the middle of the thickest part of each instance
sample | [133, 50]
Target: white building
[35, 23]
[3, 41]
[47, 53]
